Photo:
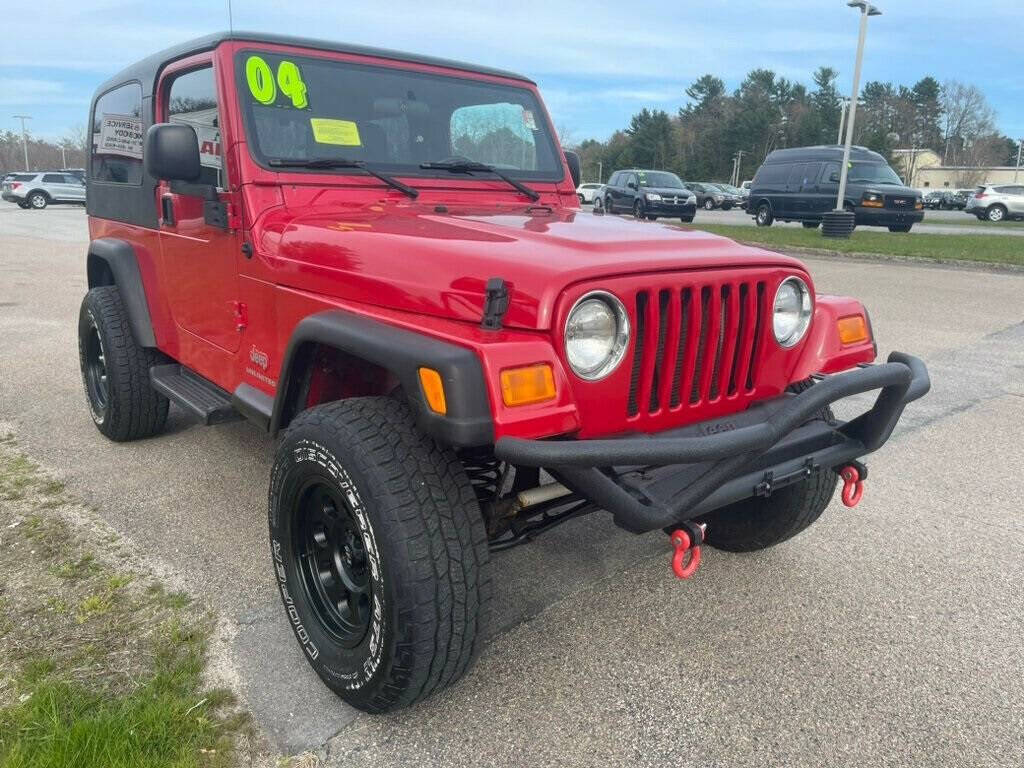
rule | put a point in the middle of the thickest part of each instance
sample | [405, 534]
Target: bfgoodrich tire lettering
[425, 545]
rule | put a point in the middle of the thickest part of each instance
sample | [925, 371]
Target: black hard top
[822, 152]
[147, 69]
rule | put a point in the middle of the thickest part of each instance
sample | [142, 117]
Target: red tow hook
[853, 486]
[683, 544]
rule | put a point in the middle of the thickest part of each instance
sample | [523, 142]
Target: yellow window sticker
[344, 133]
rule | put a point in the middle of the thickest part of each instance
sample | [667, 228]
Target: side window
[810, 177]
[831, 173]
[615, 180]
[773, 175]
[53, 178]
[192, 101]
[796, 176]
[117, 136]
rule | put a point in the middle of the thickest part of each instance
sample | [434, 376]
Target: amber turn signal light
[852, 329]
[433, 390]
[530, 384]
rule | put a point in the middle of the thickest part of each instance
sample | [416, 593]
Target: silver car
[997, 203]
[37, 190]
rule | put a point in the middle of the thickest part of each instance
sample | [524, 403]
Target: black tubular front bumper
[651, 482]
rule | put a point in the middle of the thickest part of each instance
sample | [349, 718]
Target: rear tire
[810, 224]
[686, 219]
[651, 217]
[995, 213]
[900, 227]
[38, 200]
[115, 370]
[380, 552]
[758, 523]
[709, 204]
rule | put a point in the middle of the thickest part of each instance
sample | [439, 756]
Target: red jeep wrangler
[380, 258]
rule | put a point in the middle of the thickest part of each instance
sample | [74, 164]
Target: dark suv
[649, 194]
[802, 184]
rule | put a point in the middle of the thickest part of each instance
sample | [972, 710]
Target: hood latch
[495, 304]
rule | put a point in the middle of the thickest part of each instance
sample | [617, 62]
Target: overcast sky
[597, 63]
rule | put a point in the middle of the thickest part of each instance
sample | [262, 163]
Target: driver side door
[199, 258]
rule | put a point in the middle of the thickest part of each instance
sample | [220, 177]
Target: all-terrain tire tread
[429, 504]
[136, 410]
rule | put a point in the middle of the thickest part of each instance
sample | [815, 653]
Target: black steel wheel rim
[96, 370]
[333, 565]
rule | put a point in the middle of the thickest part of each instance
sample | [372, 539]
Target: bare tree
[967, 119]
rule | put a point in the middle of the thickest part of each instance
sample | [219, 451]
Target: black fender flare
[468, 421]
[112, 261]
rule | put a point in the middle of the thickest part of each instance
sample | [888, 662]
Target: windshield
[305, 108]
[662, 179]
[877, 173]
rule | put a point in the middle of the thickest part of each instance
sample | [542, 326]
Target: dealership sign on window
[121, 135]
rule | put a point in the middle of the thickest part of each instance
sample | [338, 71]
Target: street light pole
[1016, 169]
[866, 9]
[839, 223]
[842, 116]
[24, 135]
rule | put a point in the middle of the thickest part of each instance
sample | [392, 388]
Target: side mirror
[172, 152]
[834, 176]
[631, 185]
[573, 161]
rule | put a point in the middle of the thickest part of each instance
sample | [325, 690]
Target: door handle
[167, 209]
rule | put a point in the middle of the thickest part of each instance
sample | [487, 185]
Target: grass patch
[99, 665]
[966, 247]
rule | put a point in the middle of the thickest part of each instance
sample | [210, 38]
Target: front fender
[823, 352]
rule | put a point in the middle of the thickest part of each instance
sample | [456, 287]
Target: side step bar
[199, 397]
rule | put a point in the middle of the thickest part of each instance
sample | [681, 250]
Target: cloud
[28, 90]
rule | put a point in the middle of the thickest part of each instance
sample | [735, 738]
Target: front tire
[380, 552]
[115, 370]
[900, 227]
[810, 224]
[764, 217]
[686, 219]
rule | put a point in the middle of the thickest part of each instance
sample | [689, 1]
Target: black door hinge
[247, 250]
[495, 304]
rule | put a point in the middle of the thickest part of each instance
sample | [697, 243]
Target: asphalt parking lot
[889, 635]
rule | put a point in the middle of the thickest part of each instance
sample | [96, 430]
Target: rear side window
[53, 178]
[772, 174]
[117, 136]
[192, 100]
[23, 177]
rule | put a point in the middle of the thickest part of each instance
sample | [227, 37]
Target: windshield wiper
[330, 162]
[468, 166]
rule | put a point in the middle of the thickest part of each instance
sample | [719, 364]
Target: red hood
[409, 256]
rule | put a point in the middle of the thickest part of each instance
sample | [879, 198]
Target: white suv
[997, 203]
[37, 190]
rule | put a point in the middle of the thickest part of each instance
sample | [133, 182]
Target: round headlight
[792, 313]
[596, 335]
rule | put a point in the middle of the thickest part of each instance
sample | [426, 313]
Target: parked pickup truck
[380, 259]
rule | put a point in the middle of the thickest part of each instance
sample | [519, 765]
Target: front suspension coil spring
[486, 474]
